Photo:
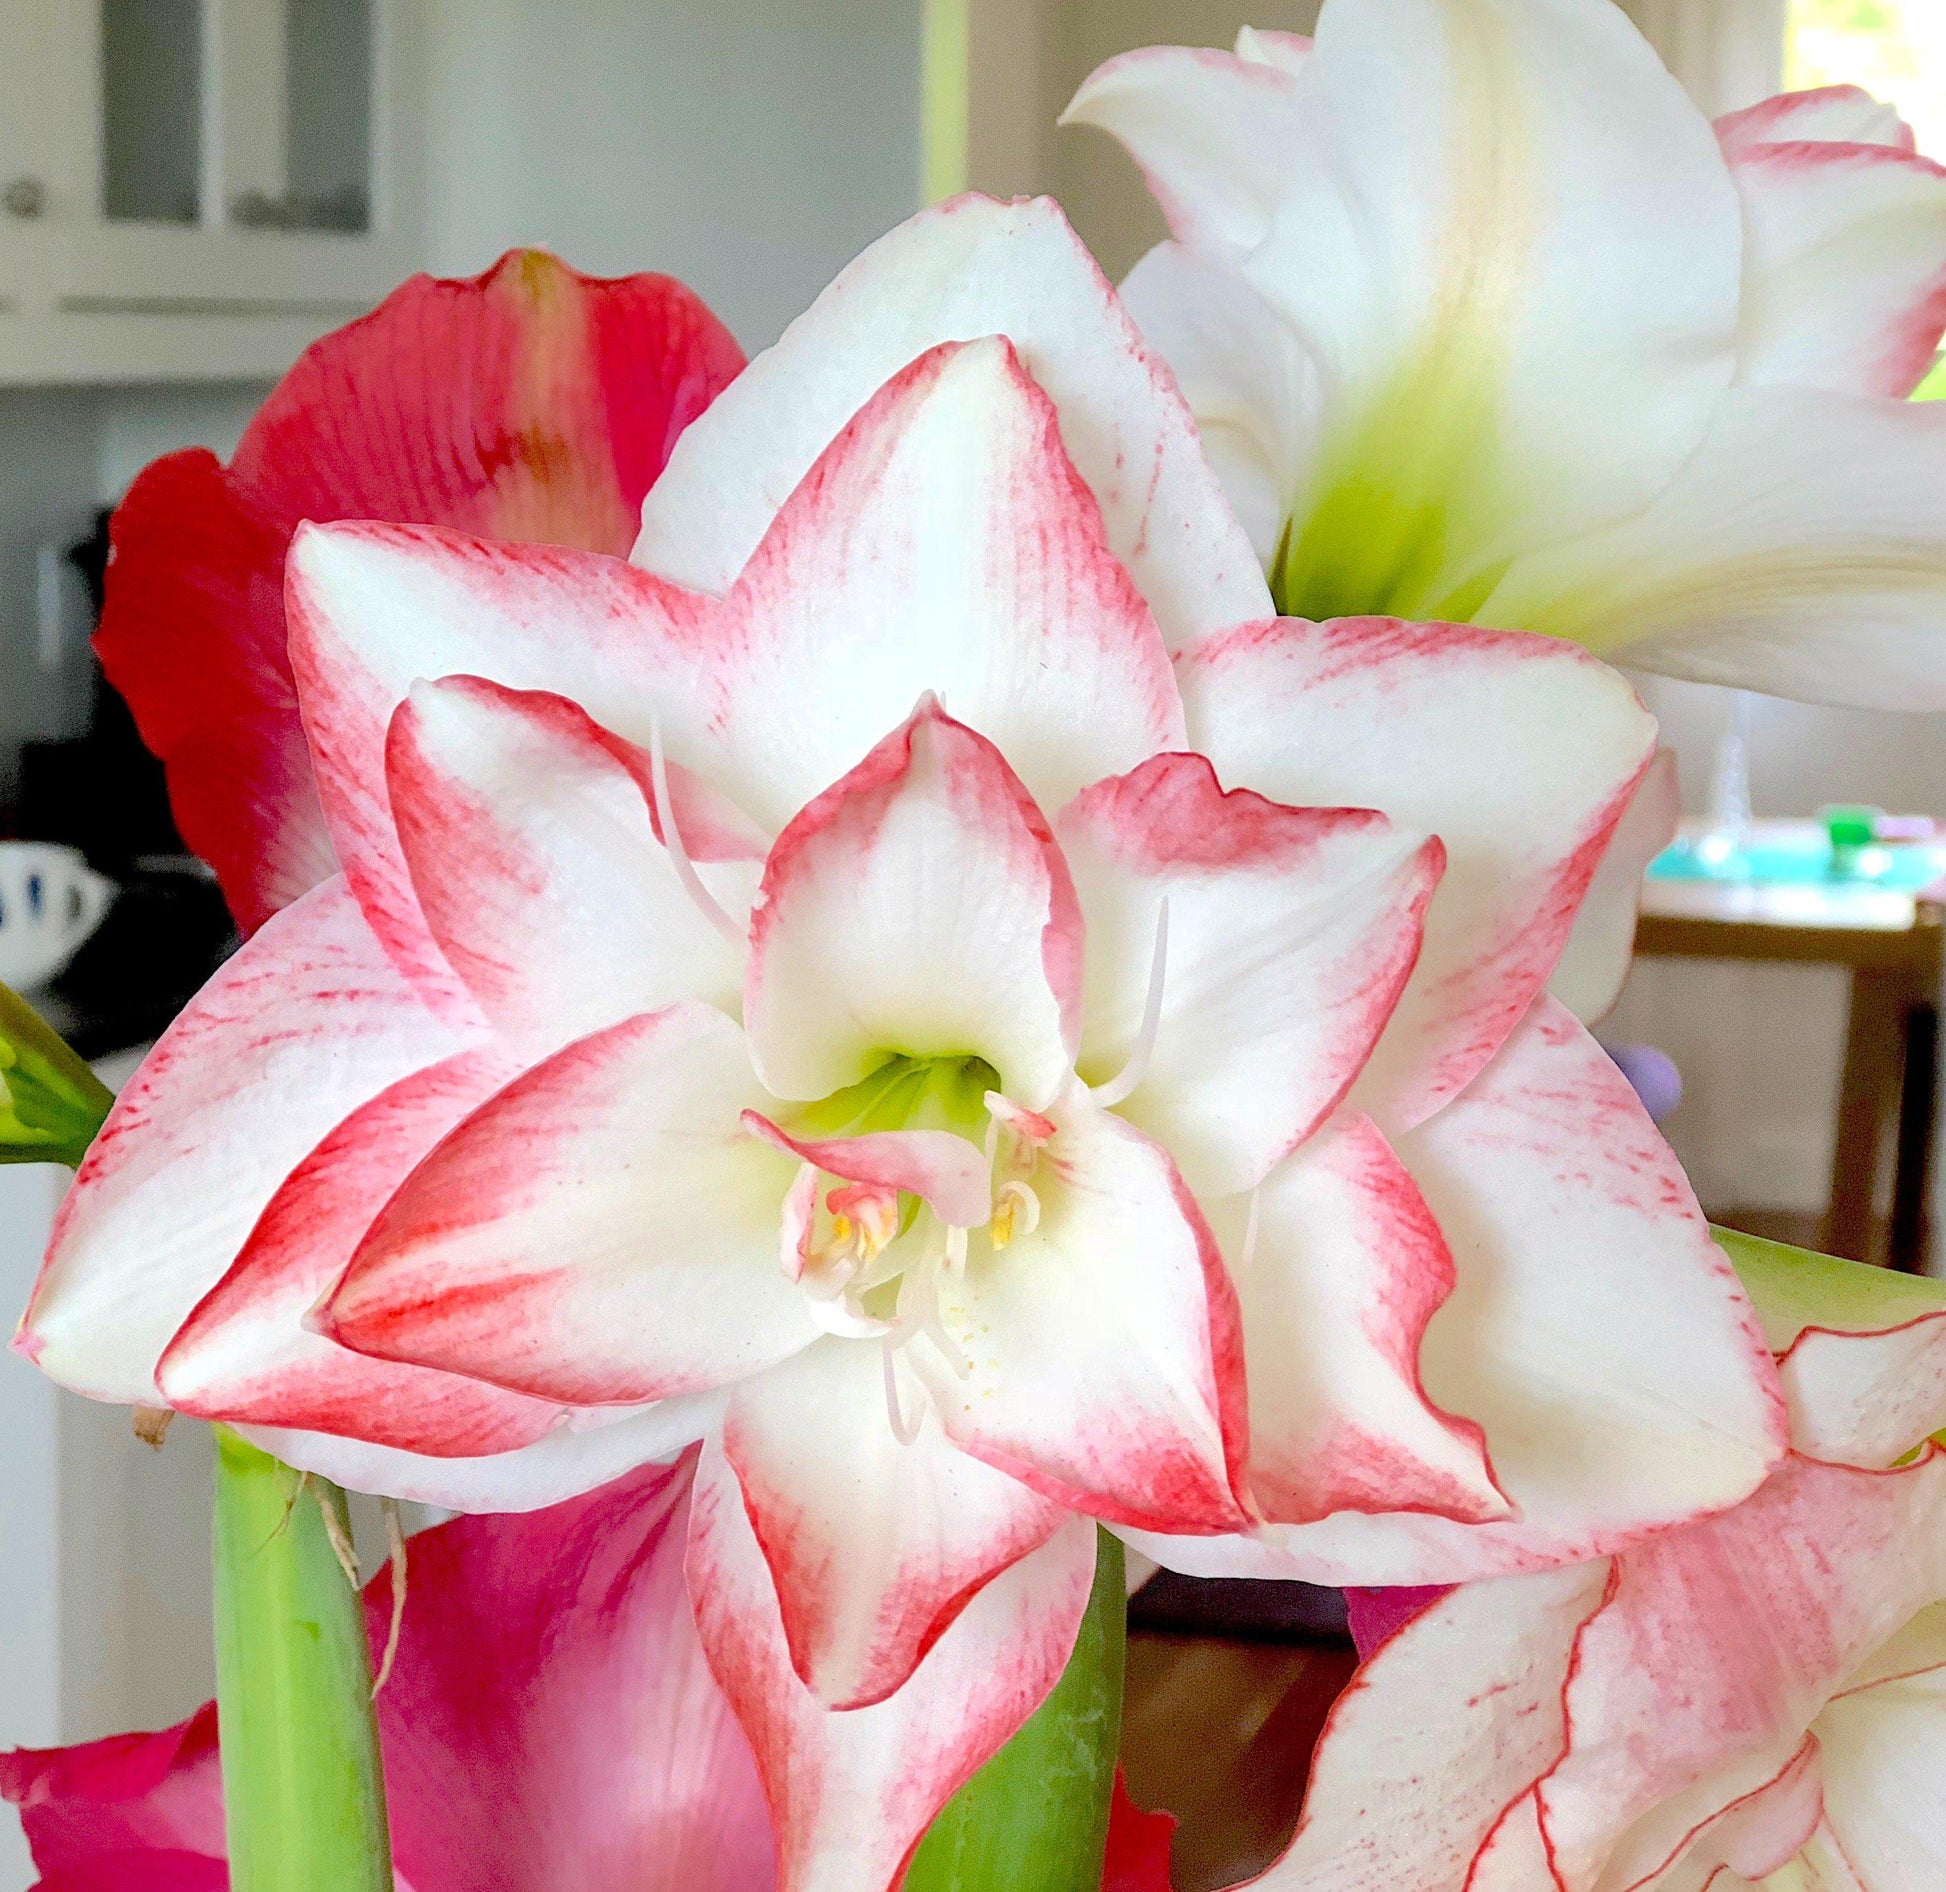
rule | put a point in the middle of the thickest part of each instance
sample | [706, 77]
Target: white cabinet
[198, 188]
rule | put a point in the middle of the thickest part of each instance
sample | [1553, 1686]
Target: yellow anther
[841, 1227]
[1000, 1231]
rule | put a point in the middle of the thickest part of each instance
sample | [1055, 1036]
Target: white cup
[50, 901]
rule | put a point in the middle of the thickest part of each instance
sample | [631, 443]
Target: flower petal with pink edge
[1214, 132]
[1589, 975]
[1844, 265]
[1866, 1399]
[311, 1013]
[1291, 932]
[1104, 1361]
[1439, 1739]
[1830, 114]
[534, 854]
[245, 1355]
[1718, 1647]
[528, 403]
[943, 1170]
[960, 271]
[602, 1232]
[943, 542]
[875, 1544]
[1595, 1335]
[1374, 713]
[852, 1792]
[1339, 1265]
[919, 907]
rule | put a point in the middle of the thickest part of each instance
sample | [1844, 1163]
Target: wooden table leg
[1874, 1054]
[1918, 1109]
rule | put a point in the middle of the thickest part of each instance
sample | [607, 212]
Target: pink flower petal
[1104, 1359]
[528, 403]
[310, 1014]
[602, 1232]
[1291, 932]
[919, 906]
[854, 1791]
[1374, 713]
[943, 1170]
[875, 1545]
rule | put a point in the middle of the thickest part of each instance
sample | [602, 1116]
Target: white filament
[706, 902]
[1120, 1088]
[904, 1433]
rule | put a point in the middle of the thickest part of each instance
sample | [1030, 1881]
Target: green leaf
[1035, 1817]
[51, 1104]
[303, 1789]
[1795, 1288]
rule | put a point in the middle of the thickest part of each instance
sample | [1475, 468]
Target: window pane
[152, 110]
[328, 77]
[1895, 49]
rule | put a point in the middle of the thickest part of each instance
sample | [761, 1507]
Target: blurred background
[193, 190]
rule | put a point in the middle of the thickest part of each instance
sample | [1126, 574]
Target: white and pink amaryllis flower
[1755, 1700]
[922, 983]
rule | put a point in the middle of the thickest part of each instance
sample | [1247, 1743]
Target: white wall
[750, 147]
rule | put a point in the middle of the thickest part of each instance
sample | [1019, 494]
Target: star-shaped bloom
[836, 989]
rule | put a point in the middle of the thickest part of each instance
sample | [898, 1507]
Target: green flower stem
[1035, 1817]
[303, 1790]
[51, 1104]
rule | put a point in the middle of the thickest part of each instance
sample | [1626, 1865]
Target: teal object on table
[1802, 860]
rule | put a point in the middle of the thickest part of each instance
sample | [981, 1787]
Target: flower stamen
[705, 902]
[1120, 1088]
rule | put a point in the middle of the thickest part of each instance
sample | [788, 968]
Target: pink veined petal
[1800, 551]
[1721, 1644]
[963, 270]
[943, 542]
[310, 1013]
[1215, 134]
[875, 1545]
[1375, 1615]
[592, 1448]
[1519, 753]
[1439, 1739]
[920, 906]
[1834, 114]
[1844, 270]
[1773, 1813]
[943, 1170]
[1105, 1362]
[1291, 933]
[1866, 1399]
[853, 1792]
[533, 851]
[602, 1232]
[528, 403]
[1595, 1335]
[1344, 1269]
[1588, 976]
[245, 1355]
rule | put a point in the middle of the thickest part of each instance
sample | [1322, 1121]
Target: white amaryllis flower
[1757, 1699]
[835, 988]
[1483, 322]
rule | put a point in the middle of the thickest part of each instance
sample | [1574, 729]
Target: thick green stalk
[303, 1791]
[1035, 1817]
[51, 1104]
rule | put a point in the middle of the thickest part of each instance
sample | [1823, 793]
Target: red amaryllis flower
[531, 403]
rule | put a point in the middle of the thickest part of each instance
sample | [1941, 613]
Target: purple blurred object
[1376, 1614]
[1651, 1074]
